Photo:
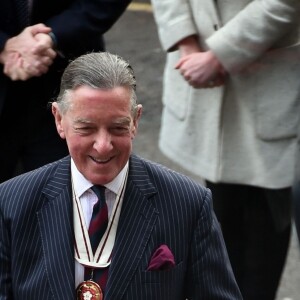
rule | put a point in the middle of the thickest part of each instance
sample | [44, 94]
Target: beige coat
[245, 131]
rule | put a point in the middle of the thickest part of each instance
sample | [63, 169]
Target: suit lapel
[137, 219]
[56, 227]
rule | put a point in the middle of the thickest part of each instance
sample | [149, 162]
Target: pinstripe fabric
[163, 207]
[160, 207]
[36, 211]
[22, 10]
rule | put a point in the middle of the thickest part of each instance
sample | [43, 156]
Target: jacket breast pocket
[160, 285]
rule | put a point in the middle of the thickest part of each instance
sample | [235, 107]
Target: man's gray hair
[99, 70]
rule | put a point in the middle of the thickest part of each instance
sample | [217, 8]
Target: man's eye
[83, 129]
[120, 129]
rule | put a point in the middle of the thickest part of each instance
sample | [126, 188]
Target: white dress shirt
[88, 198]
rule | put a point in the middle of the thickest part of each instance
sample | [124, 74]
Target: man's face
[99, 130]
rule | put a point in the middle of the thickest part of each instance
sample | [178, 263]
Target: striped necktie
[96, 230]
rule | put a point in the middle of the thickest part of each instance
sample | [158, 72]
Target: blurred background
[135, 38]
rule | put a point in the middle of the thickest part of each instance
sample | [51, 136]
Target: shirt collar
[81, 184]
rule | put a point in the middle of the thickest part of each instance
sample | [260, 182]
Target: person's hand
[28, 54]
[201, 70]
[188, 46]
[13, 67]
[37, 62]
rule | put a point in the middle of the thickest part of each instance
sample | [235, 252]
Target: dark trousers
[256, 224]
[296, 206]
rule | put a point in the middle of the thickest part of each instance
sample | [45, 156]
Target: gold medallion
[89, 290]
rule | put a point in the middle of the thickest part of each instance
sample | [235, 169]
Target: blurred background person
[230, 95]
[37, 40]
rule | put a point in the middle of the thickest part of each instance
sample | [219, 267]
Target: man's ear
[58, 120]
[136, 120]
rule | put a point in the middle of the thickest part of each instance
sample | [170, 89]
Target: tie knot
[99, 190]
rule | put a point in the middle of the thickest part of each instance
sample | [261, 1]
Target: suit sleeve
[3, 38]
[210, 275]
[85, 20]
[5, 281]
[253, 31]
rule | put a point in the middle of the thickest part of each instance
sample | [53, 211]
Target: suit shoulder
[28, 184]
[162, 176]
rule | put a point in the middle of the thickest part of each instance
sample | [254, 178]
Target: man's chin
[100, 179]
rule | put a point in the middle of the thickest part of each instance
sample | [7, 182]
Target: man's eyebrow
[82, 120]
[122, 121]
[117, 121]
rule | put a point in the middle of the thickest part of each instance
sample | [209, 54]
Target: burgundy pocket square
[162, 259]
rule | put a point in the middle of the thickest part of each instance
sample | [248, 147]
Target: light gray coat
[245, 131]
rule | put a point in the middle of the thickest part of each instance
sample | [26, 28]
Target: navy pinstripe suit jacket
[160, 207]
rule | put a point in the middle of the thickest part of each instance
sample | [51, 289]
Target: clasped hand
[201, 69]
[28, 54]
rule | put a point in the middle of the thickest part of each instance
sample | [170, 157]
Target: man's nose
[103, 141]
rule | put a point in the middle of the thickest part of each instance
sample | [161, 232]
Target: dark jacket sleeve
[210, 275]
[84, 21]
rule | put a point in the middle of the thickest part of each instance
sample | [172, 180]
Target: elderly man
[104, 222]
